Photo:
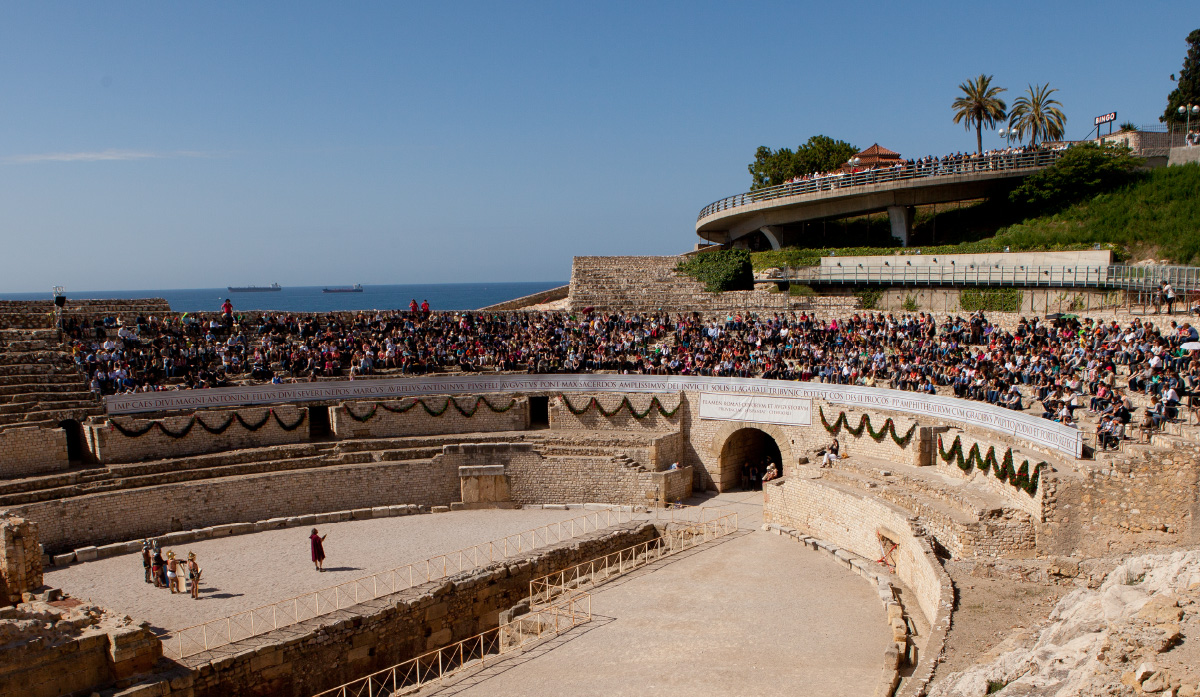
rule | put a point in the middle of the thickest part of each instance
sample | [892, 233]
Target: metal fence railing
[473, 653]
[549, 588]
[916, 170]
[916, 270]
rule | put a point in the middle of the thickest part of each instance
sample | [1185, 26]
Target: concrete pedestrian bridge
[896, 190]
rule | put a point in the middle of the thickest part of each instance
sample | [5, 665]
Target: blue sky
[164, 145]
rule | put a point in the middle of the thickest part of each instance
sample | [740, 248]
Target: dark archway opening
[539, 412]
[76, 447]
[319, 423]
[744, 459]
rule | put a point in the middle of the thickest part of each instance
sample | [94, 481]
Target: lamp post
[1188, 112]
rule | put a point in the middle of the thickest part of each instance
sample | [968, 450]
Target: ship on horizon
[356, 288]
[255, 289]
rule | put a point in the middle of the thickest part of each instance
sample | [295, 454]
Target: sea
[441, 296]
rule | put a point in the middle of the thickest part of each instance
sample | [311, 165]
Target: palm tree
[979, 105]
[1037, 114]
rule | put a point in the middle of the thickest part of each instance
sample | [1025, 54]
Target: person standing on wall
[317, 549]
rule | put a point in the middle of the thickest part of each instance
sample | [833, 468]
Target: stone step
[36, 387]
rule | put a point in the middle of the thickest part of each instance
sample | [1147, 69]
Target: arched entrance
[75, 439]
[746, 445]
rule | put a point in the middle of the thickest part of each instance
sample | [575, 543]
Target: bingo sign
[1106, 118]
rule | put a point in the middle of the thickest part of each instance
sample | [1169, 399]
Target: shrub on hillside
[1082, 172]
[724, 269]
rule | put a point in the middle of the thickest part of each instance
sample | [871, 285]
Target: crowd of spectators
[1050, 366]
[955, 163]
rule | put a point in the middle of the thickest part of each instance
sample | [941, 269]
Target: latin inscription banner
[947, 409]
[788, 411]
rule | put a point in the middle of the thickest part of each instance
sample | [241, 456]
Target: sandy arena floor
[246, 571]
[755, 614]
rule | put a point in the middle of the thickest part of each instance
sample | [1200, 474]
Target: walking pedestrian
[156, 566]
[317, 548]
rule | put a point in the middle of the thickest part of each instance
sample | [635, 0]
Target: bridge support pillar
[901, 218]
[774, 235]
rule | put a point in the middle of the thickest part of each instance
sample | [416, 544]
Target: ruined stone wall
[325, 652]
[108, 444]
[118, 516]
[32, 450]
[650, 284]
[20, 559]
[852, 520]
[417, 421]
[1153, 492]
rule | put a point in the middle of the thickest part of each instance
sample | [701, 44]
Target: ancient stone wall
[32, 450]
[545, 296]
[118, 516]
[20, 559]
[461, 414]
[246, 427]
[650, 284]
[650, 408]
[322, 653]
[704, 440]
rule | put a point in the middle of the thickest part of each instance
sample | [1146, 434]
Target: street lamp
[1188, 112]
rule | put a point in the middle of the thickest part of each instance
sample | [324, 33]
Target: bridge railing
[915, 170]
[904, 272]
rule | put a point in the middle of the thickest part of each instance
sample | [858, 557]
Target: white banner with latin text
[787, 411]
[1018, 424]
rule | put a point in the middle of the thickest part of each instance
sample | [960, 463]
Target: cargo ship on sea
[255, 289]
[356, 288]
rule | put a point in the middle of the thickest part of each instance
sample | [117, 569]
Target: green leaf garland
[865, 423]
[625, 404]
[1021, 478]
[450, 401]
[215, 430]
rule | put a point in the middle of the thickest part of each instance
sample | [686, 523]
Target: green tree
[1186, 92]
[1037, 114]
[980, 104]
[823, 154]
[818, 154]
[1082, 172]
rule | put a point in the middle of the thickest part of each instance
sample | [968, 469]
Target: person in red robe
[317, 549]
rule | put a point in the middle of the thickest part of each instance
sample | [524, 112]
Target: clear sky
[181, 145]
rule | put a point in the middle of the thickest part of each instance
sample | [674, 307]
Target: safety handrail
[920, 270]
[911, 170]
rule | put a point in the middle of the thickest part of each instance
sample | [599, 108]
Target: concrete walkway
[752, 614]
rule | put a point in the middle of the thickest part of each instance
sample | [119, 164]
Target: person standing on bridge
[317, 549]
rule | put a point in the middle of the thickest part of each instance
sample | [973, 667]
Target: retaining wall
[416, 421]
[108, 444]
[32, 450]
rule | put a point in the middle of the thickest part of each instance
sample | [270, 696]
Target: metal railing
[472, 653]
[181, 643]
[916, 170]
[911, 270]
[549, 588]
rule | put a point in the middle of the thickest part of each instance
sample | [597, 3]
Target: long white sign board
[1029, 427]
[787, 411]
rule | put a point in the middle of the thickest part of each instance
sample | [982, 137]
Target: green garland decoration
[468, 413]
[625, 404]
[1021, 478]
[865, 423]
[215, 430]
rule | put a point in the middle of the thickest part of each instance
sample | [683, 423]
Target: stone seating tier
[39, 382]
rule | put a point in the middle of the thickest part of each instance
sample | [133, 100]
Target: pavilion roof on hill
[876, 156]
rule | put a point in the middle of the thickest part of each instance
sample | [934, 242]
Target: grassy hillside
[1155, 217]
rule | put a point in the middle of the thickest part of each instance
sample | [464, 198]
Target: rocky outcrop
[1118, 639]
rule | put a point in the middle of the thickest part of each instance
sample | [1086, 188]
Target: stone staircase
[39, 382]
[966, 518]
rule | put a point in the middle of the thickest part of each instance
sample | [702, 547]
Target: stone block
[361, 514]
[323, 518]
[85, 554]
[243, 528]
[307, 520]
[64, 559]
[457, 506]
[381, 512]
[555, 506]
[106, 551]
[399, 510]
[439, 509]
